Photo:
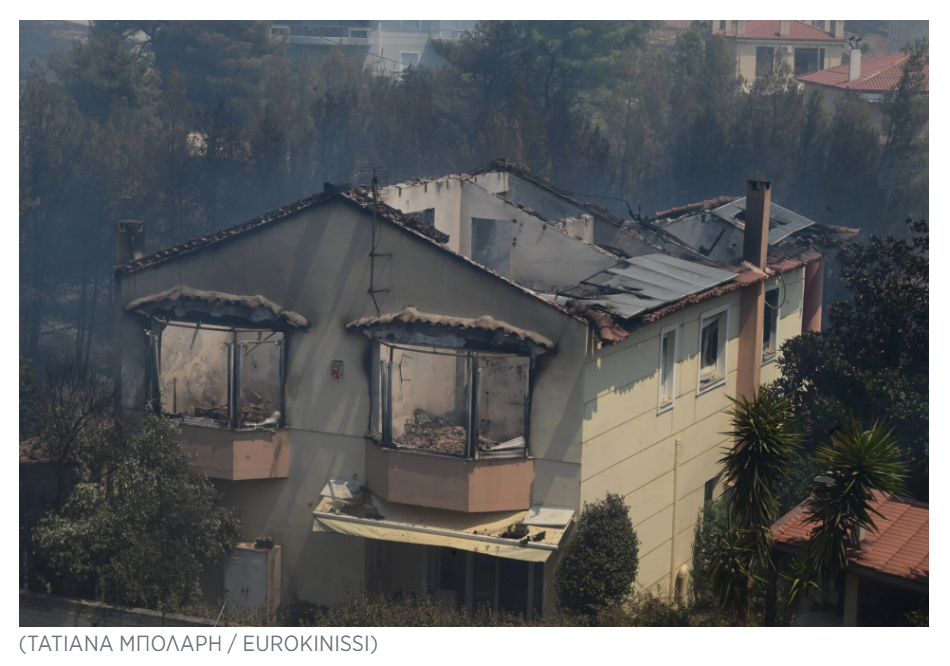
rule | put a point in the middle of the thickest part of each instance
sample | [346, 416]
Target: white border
[660, 408]
[700, 390]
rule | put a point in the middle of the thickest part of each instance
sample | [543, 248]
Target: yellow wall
[648, 457]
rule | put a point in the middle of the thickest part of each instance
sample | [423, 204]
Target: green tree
[28, 399]
[872, 360]
[859, 463]
[144, 533]
[600, 563]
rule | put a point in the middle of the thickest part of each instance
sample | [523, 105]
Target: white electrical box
[252, 577]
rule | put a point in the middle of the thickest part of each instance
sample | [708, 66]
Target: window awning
[411, 326]
[374, 518]
[215, 306]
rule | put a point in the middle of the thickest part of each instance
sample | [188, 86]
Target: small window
[667, 369]
[712, 350]
[409, 60]
[770, 327]
[710, 489]
[764, 58]
[359, 34]
[410, 26]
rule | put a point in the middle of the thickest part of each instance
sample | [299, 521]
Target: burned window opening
[456, 402]
[426, 217]
[214, 376]
[712, 350]
[770, 326]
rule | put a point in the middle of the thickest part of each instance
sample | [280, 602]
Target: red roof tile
[879, 74]
[900, 546]
[798, 31]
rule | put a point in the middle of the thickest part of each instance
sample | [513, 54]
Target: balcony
[448, 482]
[237, 455]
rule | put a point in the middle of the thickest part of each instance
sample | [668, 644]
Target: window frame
[723, 351]
[403, 66]
[381, 396]
[410, 26]
[662, 407]
[773, 313]
[760, 68]
[235, 354]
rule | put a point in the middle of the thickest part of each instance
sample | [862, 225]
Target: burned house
[419, 386]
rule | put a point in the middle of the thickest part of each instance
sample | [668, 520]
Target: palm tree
[732, 569]
[760, 463]
[858, 462]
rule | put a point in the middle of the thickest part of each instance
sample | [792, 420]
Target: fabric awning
[374, 518]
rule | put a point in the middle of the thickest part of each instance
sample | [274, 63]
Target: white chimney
[726, 26]
[837, 28]
[826, 26]
[740, 27]
[854, 69]
[784, 28]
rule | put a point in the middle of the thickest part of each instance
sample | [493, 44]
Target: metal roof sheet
[649, 281]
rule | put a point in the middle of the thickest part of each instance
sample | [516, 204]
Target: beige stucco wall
[789, 315]
[660, 462]
[745, 53]
[316, 263]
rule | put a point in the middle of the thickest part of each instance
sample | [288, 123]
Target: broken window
[221, 377]
[667, 367]
[770, 327]
[426, 217]
[764, 58]
[491, 244]
[712, 350]
[454, 402]
[475, 580]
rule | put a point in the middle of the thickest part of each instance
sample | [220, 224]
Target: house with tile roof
[888, 573]
[807, 46]
[871, 79]
[419, 386]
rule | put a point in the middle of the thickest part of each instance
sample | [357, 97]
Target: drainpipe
[677, 456]
[811, 302]
[752, 298]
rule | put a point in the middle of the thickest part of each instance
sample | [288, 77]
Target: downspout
[677, 456]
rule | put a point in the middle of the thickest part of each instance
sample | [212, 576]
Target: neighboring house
[870, 79]
[902, 33]
[427, 398]
[389, 46]
[887, 576]
[804, 46]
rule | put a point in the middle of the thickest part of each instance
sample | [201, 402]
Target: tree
[600, 563]
[760, 463]
[144, 533]
[858, 462]
[872, 360]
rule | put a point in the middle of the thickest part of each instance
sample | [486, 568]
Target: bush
[714, 519]
[600, 563]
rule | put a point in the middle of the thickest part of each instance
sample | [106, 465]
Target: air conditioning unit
[786, 49]
[252, 576]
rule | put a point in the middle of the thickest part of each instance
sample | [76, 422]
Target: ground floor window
[472, 581]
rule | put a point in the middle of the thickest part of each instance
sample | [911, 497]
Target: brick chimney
[129, 241]
[784, 28]
[740, 28]
[837, 28]
[752, 298]
[854, 69]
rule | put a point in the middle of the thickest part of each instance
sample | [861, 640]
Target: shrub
[713, 520]
[600, 563]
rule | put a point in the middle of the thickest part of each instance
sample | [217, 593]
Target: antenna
[374, 177]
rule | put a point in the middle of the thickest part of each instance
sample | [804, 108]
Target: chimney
[826, 26]
[854, 69]
[740, 28]
[129, 241]
[726, 26]
[837, 28]
[784, 28]
[756, 237]
[752, 297]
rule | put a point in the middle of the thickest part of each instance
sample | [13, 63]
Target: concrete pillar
[851, 581]
[752, 298]
[814, 293]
